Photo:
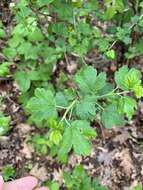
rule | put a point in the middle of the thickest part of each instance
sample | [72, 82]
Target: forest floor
[117, 155]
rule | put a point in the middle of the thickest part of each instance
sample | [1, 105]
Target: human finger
[26, 183]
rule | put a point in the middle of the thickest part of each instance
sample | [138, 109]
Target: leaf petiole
[61, 107]
[68, 109]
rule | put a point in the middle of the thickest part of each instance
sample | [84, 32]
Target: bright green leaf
[2, 33]
[138, 90]
[127, 105]
[138, 187]
[128, 79]
[110, 54]
[54, 186]
[4, 69]
[55, 137]
[4, 124]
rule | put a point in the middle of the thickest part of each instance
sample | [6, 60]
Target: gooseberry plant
[68, 113]
[77, 179]
[44, 33]
[47, 32]
[8, 173]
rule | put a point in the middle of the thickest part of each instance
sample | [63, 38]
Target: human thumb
[1, 183]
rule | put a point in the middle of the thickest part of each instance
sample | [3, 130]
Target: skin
[26, 183]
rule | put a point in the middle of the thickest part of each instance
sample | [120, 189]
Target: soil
[117, 155]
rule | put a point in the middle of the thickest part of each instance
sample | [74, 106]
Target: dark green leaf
[88, 81]
[111, 117]
[85, 108]
[42, 106]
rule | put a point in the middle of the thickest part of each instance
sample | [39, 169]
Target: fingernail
[1, 178]
[1, 182]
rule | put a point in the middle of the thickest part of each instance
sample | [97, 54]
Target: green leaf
[78, 179]
[138, 90]
[2, 33]
[36, 35]
[34, 75]
[80, 131]
[111, 117]
[24, 78]
[77, 137]
[29, 50]
[98, 186]
[123, 34]
[103, 44]
[79, 172]
[44, 2]
[68, 179]
[84, 127]
[61, 99]
[59, 28]
[100, 81]
[54, 124]
[4, 69]
[133, 78]
[84, 28]
[66, 144]
[42, 106]
[128, 79]
[127, 105]
[88, 81]
[10, 52]
[40, 143]
[15, 41]
[138, 187]
[4, 124]
[54, 186]
[113, 7]
[110, 54]
[86, 78]
[23, 81]
[55, 137]
[110, 12]
[8, 173]
[120, 77]
[85, 108]
[65, 12]
[106, 89]
[81, 145]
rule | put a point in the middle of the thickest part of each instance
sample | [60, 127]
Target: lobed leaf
[42, 106]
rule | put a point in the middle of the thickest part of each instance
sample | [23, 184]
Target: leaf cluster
[68, 114]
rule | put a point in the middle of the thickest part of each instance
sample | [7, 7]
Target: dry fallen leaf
[24, 128]
[39, 172]
[58, 176]
[27, 150]
[74, 159]
[106, 157]
[126, 161]
[72, 67]
[122, 138]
